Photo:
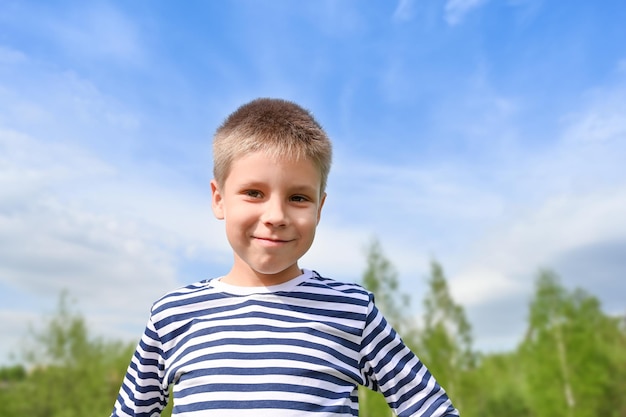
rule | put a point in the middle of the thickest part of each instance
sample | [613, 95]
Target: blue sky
[488, 135]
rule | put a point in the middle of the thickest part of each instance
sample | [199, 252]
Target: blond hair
[279, 128]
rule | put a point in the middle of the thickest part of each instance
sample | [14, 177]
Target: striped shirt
[300, 348]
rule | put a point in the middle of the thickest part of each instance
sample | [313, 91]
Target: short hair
[279, 128]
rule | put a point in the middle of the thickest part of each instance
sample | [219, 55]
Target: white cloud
[68, 108]
[336, 251]
[117, 235]
[478, 284]
[334, 18]
[99, 31]
[53, 241]
[455, 10]
[507, 259]
[495, 220]
[50, 246]
[11, 56]
[568, 197]
[601, 120]
[13, 333]
[404, 10]
[71, 221]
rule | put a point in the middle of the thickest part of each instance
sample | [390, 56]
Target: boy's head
[278, 128]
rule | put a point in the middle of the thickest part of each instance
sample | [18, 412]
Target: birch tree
[445, 344]
[381, 278]
[570, 353]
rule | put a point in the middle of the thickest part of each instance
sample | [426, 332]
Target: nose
[274, 213]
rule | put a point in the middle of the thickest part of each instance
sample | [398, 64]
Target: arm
[144, 392]
[390, 367]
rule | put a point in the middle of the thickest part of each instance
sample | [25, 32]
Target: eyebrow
[304, 189]
[298, 188]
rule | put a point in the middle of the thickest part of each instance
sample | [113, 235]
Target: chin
[275, 271]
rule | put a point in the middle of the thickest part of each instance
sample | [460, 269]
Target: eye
[300, 198]
[253, 193]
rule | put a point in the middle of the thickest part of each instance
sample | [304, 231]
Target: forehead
[263, 167]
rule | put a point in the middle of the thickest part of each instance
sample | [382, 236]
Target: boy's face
[271, 209]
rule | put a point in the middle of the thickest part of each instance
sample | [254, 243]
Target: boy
[269, 338]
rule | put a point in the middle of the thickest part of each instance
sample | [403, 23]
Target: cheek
[309, 222]
[240, 215]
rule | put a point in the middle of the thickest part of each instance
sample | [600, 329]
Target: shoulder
[330, 287]
[182, 298]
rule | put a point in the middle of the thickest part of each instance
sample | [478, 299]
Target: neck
[247, 277]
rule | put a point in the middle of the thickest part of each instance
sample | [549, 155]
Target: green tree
[445, 342]
[381, 278]
[618, 355]
[573, 353]
[10, 374]
[70, 374]
[495, 387]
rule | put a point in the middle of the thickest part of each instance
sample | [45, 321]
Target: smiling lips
[269, 241]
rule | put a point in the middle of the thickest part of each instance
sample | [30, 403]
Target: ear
[217, 200]
[319, 209]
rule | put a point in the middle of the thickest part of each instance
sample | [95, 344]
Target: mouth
[271, 240]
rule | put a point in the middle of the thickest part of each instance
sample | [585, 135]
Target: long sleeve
[390, 367]
[144, 392]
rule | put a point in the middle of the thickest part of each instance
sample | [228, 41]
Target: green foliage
[495, 387]
[373, 404]
[12, 374]
[381, 278]
[445, 344]
[69, 374]
[573, 364]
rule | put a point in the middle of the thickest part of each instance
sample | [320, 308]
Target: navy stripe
[261, 315]
[256, 356]
[349, 361]
[247, 328]
[263, 371]
[319, 340]
[264, 404]
[212, 310]
[267, 387]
